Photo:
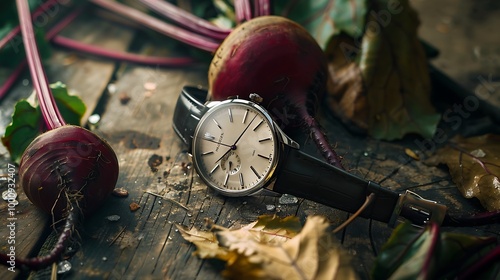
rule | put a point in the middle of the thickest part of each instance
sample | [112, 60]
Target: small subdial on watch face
[231, 163]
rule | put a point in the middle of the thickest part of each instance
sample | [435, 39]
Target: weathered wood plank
[149, 233]
[84, 76]
[145, 243]
[148, 243]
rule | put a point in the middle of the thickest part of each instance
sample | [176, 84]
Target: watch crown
[255, 98]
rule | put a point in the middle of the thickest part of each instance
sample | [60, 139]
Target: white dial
[234, 147]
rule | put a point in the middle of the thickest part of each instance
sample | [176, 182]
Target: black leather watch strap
[188, 111]
[305, 176]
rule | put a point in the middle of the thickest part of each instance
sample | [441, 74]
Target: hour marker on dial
[245, 116]
[218, 125]
[265, 139]
[255, 172]
[207, 153]
[262, 156]
[241, 180]
[226, 179]
[257, 126]
[230, 115]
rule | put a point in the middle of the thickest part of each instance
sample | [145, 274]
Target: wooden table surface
[145, 244]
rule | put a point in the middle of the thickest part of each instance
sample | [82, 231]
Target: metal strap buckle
[418, 210]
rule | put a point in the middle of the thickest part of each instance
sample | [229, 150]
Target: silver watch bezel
[278, 144]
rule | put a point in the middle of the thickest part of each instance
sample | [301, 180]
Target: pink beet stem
[470, 220]
[261, 8]
[434, 235]
[482, 265]
[94, 50]
[153, 23]
[48, 106]
[243, 10]
[12, 79]
[319, 137]
[121, 56]
[187, 19]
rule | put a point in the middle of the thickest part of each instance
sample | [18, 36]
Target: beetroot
[67, 171]
[277, 59]
[70, 159]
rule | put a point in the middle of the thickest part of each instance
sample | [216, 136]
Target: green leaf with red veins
[27, 122]
[428, 253]
[19, 134]
[325, 18]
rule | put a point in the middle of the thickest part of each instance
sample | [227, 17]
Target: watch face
[235, 148]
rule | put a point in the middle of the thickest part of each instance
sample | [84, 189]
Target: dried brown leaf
[312, 254]
[346, 93]
[206, 243]
[272, 248]
[474, 165]
[381, 83]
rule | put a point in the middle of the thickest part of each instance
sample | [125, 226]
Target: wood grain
[145, 244]
[85, 77]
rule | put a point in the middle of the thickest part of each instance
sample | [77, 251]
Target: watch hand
[239, 137]
[226, 153]
[213, 141]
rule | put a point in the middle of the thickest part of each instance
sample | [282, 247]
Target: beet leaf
[429, 253]
[394, 97]
[27, 121]
[325, 18]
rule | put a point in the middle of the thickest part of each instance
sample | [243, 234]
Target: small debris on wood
[166, 173]
[111, 88]
[270, 207]
[134, 207]
[63, 267]
[124, 98]
[411, 154]
[113, 218]
[94, 121]
[149, 86]
[154, 161]
[120, 192]
[288, 199]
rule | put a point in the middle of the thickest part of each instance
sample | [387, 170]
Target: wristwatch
[238, 150]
